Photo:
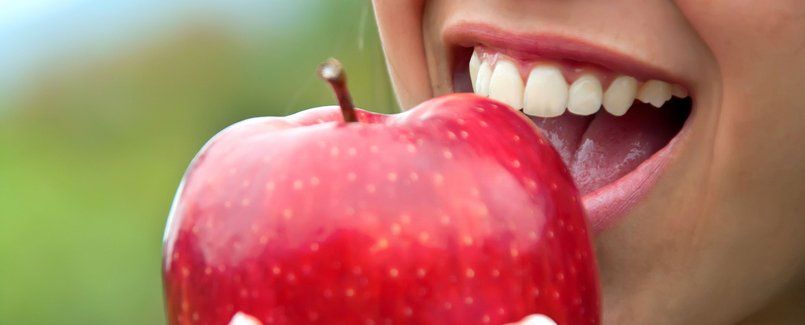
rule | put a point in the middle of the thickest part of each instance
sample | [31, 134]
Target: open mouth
[612, 127]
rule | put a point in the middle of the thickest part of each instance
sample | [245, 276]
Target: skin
[720, 238]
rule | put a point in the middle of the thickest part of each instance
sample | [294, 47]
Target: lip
[553, 46]
[610, 203]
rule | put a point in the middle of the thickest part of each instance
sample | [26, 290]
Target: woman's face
[698, 207]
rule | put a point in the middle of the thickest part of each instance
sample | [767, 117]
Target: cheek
[747, 26]
[400, 26]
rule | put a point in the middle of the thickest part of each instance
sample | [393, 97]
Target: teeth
[584, 96]
[506, 85]
[654, 92]
[620, 95]
[678, 91]
[475, 64]
[545, 92]
[482, 83]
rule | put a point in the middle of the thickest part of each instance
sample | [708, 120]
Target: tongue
[601, 148]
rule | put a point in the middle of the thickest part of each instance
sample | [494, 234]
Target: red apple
[454, 212]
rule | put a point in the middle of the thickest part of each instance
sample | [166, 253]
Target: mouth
[614, 121]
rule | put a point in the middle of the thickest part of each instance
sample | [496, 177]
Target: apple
[454, 212]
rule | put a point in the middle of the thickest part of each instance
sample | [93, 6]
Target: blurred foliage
[91, 154]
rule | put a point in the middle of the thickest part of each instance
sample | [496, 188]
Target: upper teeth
[546, 93]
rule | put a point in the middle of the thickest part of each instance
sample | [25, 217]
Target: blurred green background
[102, 106]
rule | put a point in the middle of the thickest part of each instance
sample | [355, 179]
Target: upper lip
[550, 45]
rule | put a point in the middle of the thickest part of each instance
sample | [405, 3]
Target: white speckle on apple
[448, 305]
[314, 181]
[314, 247]
[392, 177]
[351, 176]
[270, 186]
[495, 273]
[263, 240]
[501, 311]
[374, 148]
[424, 237]
[395, 228]
[245, 202]
[393, 272]
[276, 270]
[486, 318]
[516, 163]
[451, 135]
[291, 277]
[207, 270]
[352, 151]
[447, 154]
[297, 185]
[514, 251]
[438, 179]
[411, 148]
[406, 219]
[246, 183]
[287, 214]
[483, 124]
[413, 176]
[421, 273]
[470, 273]
[535, 292]
[469, 300]
[381, 244]
[516, 138]
[467, 240]
[350, 292]
[334, 151]
[445, 219]
[185, 272]
[464, 134]
[370, 188]
[408, 311]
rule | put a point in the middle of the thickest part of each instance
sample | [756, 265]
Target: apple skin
[454, 212]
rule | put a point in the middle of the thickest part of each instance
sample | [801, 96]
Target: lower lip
[609, 204]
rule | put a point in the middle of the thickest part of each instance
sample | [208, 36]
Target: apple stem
[332, 71]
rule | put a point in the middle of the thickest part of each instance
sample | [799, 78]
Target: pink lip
[553, 46]
[608, 204]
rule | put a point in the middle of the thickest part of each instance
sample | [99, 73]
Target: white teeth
[506, 85]
[620, 95]
[678, 91]
[584, 96]
[545, 92]
[654, 92]
[482, 83]
[475, 64]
